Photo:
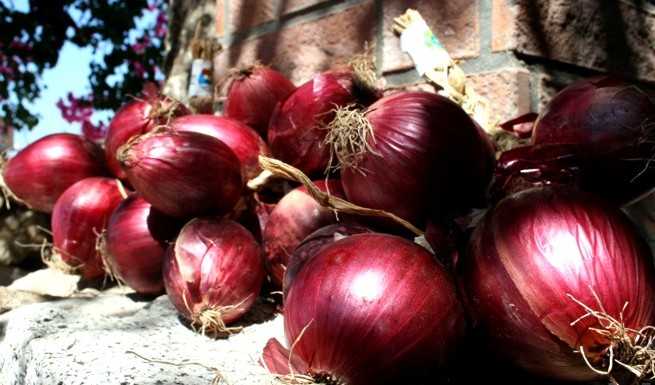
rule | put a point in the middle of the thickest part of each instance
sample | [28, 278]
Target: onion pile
[246, 144]
[135, 118]
[297, 128]
[38, 174]
[368, 309]
[546, 269]
[183, 174]
[295, 216]
[213, 273]
[597, 134]
[253, 93]
[79, 217]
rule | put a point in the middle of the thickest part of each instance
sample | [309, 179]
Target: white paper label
[423, 47]
[200, 84]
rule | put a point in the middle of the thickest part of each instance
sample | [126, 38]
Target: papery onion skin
[294, 217]
[374, 308]
[183, 174]
[598, 130]
[135, 118]
[314, 243]
[136, 242]
[253, 95]
[246, 144]
[427, 155]
[531, 251]
[297, 127]
[38, 174]
[213, 264]
[79, 217]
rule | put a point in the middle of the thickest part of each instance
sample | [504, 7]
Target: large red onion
[38, 174]
[183, 174]
[369, 309]
[297, 127]
[423, 152]
[294, 217]
[213, 272]
[79, 217]
[314, 243]
[243, 140]
[135, 118]
[135, 244]
[253, 94]
[535, 258]
[598, 132]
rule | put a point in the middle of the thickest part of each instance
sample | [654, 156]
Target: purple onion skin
[136, 118]
[314, 243]
[79, 217]
[533, 249]
[596, 134]
[42, 171]
[184, 174]
[294, 217]
[246, 144]
[253, 95]
[297, 127]
[428, 156]
[376, 308]
[137, 238]
[213, 263]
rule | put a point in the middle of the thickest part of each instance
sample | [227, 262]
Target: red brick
[503, 25]
[455, 23]
[220, 18]
[301, 50]
[246, 14]
[508, 91]
[297, 5]
[614, 36]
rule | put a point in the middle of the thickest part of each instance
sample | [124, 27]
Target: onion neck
[348, 138]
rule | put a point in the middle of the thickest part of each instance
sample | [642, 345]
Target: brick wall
[516, 52]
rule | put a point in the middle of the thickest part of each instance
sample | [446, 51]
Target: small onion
[136, 118]
[213, 273]
[314, 243]
[294, 217]
[369, 309]
[135, 244]
[423, 153]
[253, 94]
[38, 174]
[79, 217]
[297, 127]
[597, 133]
[243, 140]
[183, 174]
[536, 260]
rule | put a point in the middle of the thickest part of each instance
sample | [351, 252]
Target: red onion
[369, 309]
[297, 127]
[598, 132]
[314, 243]
[295, 216]
[136, 118]
[135, 244]
[213, 273]
[38, 174]
[253, 94]
[423, 152]
[183, 174]
[79, 217]
[536, 258]
[243, 140]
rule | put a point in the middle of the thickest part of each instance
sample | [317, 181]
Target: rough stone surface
[507, 90]
[300, 50]
[49, 282]
[455, 23]
[88, 341]
[614, 36]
